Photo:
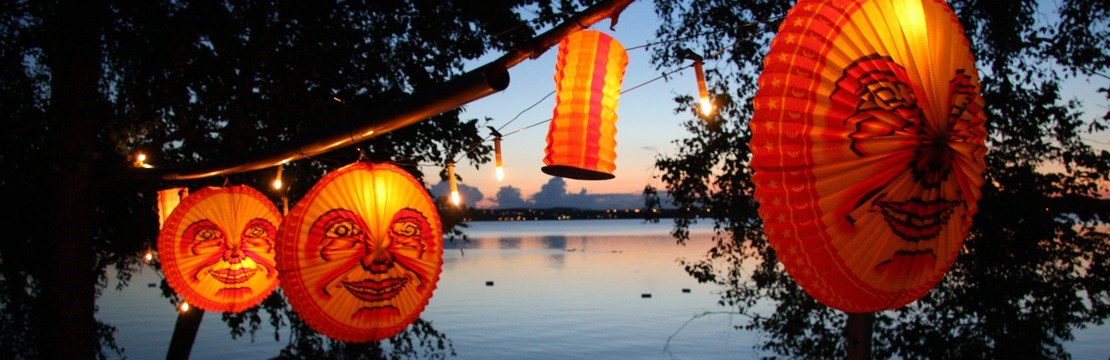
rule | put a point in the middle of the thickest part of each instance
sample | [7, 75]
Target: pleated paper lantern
[868, 144]
[217, 248]
[168, 200]
[581, 140]
[361, 253]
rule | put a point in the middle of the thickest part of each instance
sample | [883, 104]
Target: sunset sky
[647, 124]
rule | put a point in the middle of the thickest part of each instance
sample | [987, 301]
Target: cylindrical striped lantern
[581, 140]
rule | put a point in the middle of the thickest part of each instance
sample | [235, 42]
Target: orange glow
[454, 185]
[499, 170]
[868, 162]
[140, 161]
[361, 253]
[581, 138]
[217, 248]
[168, 200]
[277, 179]
[704, 104]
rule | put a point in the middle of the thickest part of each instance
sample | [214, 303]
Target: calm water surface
[562, 289]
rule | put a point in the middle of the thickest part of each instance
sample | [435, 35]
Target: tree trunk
[858, 334]
[184, 334]
[66, 302]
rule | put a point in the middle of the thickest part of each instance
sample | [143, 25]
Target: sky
[647, 124]
[646, 127]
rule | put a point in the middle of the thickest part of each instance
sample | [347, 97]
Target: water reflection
[1022, 286]
[509, 243]
[555, 242]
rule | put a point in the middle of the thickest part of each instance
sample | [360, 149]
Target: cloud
[469, 194]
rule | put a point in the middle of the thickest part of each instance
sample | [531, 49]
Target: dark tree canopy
[1035, 265]
[84, 85]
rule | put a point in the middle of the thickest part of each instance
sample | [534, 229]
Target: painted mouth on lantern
[232, 276]
[915, 219]
[370, 290]
[234, 293]
[919, 258]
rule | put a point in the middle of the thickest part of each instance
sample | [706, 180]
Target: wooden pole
[184, 334]
[858, 334]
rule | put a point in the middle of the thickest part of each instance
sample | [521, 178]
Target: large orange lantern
[217, 248]
[868, 144]
[361, 253]
[581, 140]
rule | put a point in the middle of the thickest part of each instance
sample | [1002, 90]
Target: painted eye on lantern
[408, 229]
[259, 233]
[205, 236]
[342, 229]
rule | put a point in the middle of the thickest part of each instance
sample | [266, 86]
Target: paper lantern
[868, 144]
[217, 248]
[361, 253]
[168, 200]
[581, 139]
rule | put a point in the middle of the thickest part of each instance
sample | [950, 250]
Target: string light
[499, 170]
[454, 185]
[277, 179]
[140, 160]
[704, 104]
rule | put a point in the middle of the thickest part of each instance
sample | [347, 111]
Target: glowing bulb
[500, 170]
[277, 179]
[149, 256]
[706, 107]
[184, 306]
[140, 160]
[454, 185]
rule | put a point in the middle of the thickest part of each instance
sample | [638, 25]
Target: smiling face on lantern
[915, 207]
[380, 268]
[230, 261]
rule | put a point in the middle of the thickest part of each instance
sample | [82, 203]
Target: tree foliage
[1034, 266]
[194, 81]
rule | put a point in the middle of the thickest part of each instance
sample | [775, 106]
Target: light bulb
[277, 184]
[455, 198]
[706, 107]
[500, 172]
[184, 306]
[149, 256]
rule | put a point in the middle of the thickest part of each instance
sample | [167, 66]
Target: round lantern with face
[363, 251]
[867, 146]
[217, 248]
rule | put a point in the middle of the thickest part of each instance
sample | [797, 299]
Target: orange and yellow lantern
[361, 253]
[868, 144]
[168, 200]
[217, 248]
[581, 140]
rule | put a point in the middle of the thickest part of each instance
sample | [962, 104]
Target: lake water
[562, 289]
